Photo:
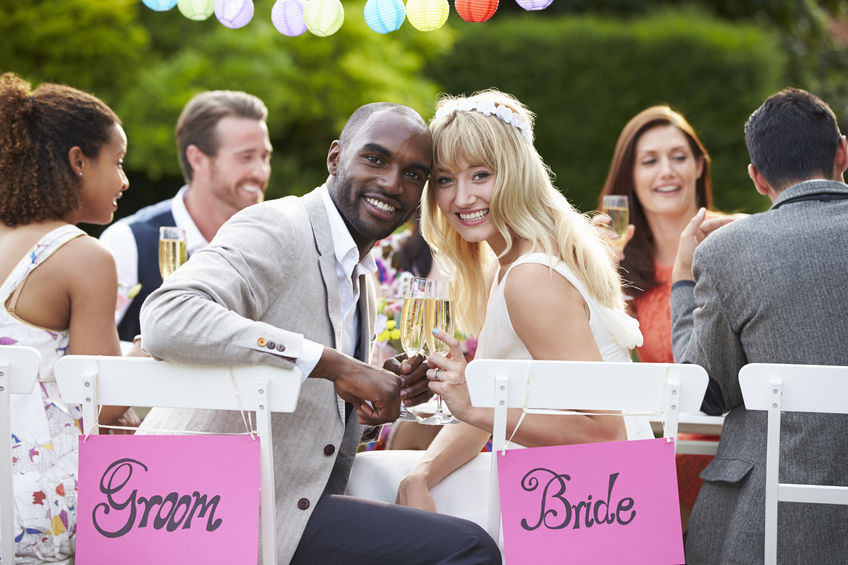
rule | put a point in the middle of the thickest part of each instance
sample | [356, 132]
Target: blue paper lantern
[234, 13]
[323, 17]
[196, 10]
[160, 5]
[287, 17]
[384, 16]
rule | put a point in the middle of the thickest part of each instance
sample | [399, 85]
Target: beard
[362, 225]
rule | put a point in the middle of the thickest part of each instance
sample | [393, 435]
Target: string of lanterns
[325, 17]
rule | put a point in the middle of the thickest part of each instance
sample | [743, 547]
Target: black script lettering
[116, 478]
[108, 487]
[557, 512]
[624, 505]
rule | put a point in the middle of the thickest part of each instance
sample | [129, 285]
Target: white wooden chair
[18, 371]
[136, 381]
[792, 388]
[562, 385]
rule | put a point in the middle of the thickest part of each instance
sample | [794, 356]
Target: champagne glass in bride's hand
[412, 327]
[438, 315]
[616, 207]
[172, 249]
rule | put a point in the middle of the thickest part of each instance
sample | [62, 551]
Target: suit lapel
[326, 259]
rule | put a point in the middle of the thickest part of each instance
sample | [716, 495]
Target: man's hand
[413, 378]
[693, 234]
[373, 392]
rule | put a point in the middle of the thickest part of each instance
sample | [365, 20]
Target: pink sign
[593, 503]
[168, 499]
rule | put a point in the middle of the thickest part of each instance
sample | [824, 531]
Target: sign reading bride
[595, 503]
[168, 499]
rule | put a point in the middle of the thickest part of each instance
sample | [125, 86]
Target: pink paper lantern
[323, 17]
[532, 5]
[427, 15]
[160, 5]
[196, 10]
[234, 13]
[476, 10]
[287, 17]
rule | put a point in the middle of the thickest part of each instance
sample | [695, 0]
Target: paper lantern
[287, 17]
[323, 17]
[196, 10]
[160, 5]
[531, 5]
[234, 13]
[475, 10]
[384, 16]
[427, 15]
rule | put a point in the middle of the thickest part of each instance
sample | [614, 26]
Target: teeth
[474, 216]
[251, 188]
[381, 205]
[667, 189]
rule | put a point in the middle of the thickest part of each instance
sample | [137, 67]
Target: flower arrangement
[386, 325]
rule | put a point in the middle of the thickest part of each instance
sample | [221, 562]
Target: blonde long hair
[525, 205]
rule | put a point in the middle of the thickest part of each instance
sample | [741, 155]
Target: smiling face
[378, 175]
[665, 172]
[237, 175]
[464, 196]
[103, 181]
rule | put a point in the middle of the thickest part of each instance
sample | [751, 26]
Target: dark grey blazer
[770, 288]
[269, 273]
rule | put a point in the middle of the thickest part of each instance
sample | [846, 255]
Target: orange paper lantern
[476, 10]
[427, 15]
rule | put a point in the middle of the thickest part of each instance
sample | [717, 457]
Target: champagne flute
[616, 207]
[172, 249]
[412, 327]
[438, 315]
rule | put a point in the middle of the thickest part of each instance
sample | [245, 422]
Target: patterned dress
[44, 430]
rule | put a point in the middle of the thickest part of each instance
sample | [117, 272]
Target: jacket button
[329, 449]
[271, 345]
[261, 342]
[281, 347]
[303, 503]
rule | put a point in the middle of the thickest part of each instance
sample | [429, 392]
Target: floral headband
[487, 108]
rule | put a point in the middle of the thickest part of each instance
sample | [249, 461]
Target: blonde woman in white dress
[532, 278]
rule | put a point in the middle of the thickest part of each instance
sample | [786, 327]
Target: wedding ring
[436, 376]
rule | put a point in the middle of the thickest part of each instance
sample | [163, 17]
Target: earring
[80, 173]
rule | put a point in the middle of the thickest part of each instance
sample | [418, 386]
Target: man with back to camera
[288, 283]
[224, 153]
[770, 288]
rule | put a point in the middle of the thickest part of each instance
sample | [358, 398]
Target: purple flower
[7, 341]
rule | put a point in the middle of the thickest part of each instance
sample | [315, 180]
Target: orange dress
[653, 310]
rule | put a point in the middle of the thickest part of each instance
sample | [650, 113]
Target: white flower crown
[487, 108]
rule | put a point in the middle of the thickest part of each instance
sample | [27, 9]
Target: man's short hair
[196, 124]
[792, 137]
[361, 115]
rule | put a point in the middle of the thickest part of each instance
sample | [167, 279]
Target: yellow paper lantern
[427, 15]
[323, 17]
[197, 10]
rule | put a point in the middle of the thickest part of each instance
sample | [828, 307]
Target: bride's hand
[447, 376]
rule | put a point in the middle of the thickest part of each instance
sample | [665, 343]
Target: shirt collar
[194, 239]
[347, 254]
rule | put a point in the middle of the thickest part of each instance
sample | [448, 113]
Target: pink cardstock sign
[168, 499]
[592, 503]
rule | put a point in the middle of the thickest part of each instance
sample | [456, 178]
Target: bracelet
[137, 339]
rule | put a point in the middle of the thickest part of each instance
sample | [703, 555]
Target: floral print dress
[45, 431]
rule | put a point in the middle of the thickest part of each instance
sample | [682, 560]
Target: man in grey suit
[287, 283]
[770, 288]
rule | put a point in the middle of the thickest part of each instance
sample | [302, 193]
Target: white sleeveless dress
[614, 331]
[45, 431]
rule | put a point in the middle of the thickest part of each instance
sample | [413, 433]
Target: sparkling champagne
[172, 254]
[412, 325]
[438, 316]
[620, 217]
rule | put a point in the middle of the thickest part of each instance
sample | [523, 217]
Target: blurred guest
[517, 249]
[61, 156]
[766, 289]
[224, 154]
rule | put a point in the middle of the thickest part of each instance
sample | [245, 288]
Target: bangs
[473, 146]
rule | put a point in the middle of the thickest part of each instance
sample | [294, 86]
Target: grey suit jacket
[268, 276]
[770, 288]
